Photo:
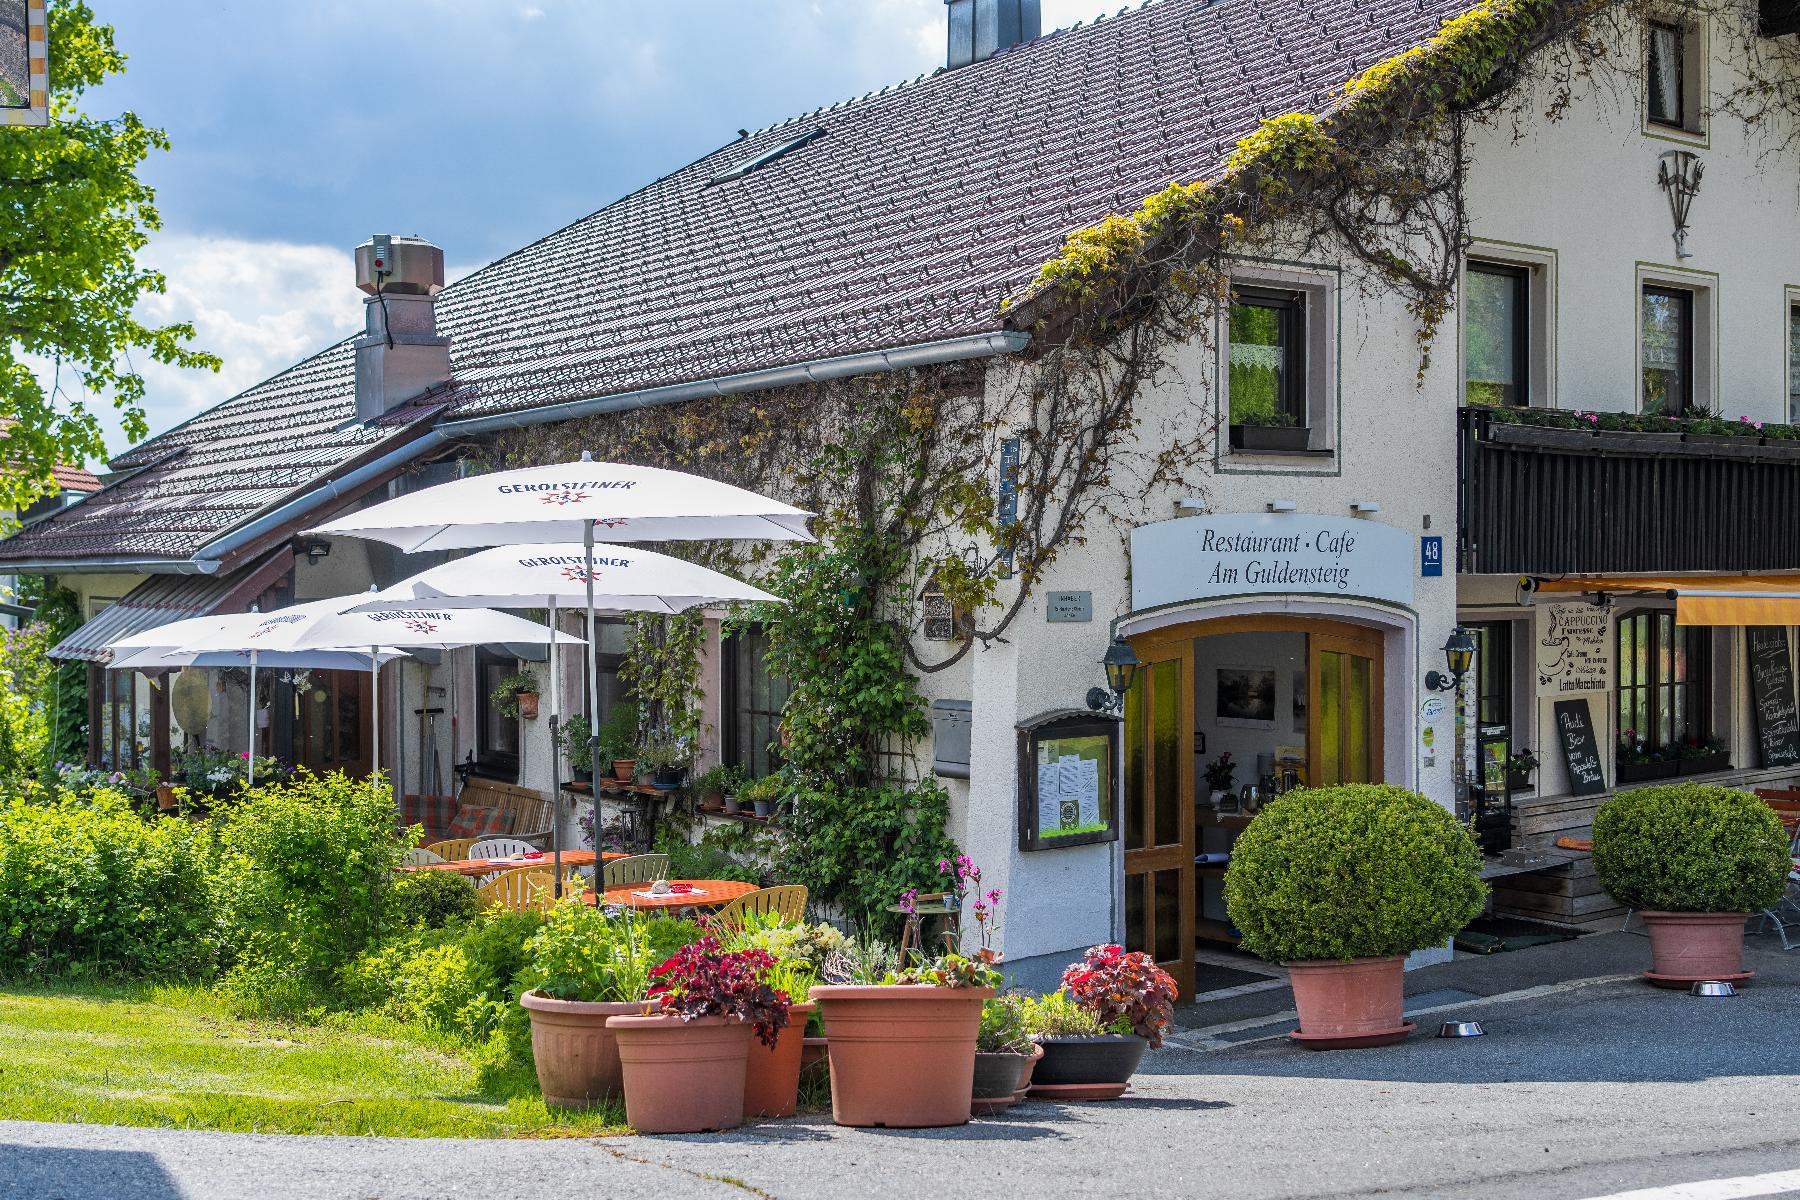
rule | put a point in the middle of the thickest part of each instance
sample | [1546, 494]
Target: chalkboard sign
[1581, 754]
[1772, 695]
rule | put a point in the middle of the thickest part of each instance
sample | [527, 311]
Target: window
[1496, 335]
[1493, 673]
[124, 720]
[1793, 403]
[754, 700]
[1665, 75]
[496, 735]
[1668, 333]
[1267, 357]
[1663, 672]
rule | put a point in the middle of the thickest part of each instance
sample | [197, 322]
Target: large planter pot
[1345, 1005]
[682, 1076]
[902, 1057]
[1643, 772]
[577, 1058]
[999, 1077]
[528, 705]
[1086, 1068]
[772, 1073]
[1686, 948]
[165, 798]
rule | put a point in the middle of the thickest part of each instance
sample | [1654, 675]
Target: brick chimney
[980, 29]
[400, 355]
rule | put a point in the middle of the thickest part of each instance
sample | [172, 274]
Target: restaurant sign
[1574, 655]
[1236, 554]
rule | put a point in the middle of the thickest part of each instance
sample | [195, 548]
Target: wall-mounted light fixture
[1459, 652]
[1191, 506]
[1121, 663]
[315, 549]
[1283, 505]
[1363, 508]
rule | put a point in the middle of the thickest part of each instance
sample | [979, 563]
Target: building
[1304, 507]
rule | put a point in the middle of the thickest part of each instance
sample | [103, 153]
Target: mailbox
[950, 721]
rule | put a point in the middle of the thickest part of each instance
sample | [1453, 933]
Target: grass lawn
[177, 1057]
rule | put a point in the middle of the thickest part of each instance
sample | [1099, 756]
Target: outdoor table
[487, 866]
[708, 893]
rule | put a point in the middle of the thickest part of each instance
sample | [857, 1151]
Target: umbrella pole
[375, 711]
[593, 672]
[250, 770]
[555, 754]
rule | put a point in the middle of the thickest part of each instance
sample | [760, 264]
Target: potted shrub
[902, 1051]
[685, 1065]
[516, 696]
[1113, 1006]
[1339, 884]
[583, 967]
[1520, 768]
[714, 783]
[1694, 861]
[618, 741]
[762, 795]
[772, 1073]
[1004, 1054]
[577, 747]
[666, 759]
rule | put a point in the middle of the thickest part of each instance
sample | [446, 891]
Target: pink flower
[245, 754]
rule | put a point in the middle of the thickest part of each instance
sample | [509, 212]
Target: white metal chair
[499, 847]
[1785, 915]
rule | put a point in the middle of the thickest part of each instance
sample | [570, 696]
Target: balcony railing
[1540, 501]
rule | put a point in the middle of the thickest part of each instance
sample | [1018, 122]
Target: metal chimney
[980, 29]
[400, 354]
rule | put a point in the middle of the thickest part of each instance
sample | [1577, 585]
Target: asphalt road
[1589, 1091]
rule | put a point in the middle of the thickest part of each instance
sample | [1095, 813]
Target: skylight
[768, 156]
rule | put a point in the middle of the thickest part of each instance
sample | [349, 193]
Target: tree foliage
[73, 216]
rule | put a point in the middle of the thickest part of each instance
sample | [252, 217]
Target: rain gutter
[982, 345]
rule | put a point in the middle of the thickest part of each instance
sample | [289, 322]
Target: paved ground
[1579, 1091]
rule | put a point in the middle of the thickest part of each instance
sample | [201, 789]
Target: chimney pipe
[980, 29]
[400, 355]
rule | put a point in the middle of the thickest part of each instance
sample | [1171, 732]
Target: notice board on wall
[1772, 700]
[1068, 783]
[1580, 749]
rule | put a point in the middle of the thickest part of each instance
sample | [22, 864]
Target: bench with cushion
[487, 808]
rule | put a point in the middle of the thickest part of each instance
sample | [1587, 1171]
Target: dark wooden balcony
[1540, 501]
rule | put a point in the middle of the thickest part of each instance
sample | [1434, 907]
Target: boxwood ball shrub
[1353, 871]
[1687, 847]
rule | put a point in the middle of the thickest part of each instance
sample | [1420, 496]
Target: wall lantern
[315, 549]
[1459, 653]
[1121, 663]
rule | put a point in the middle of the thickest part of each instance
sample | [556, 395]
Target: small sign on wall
[1069, 607]
[1574, 650]
[1431, 555]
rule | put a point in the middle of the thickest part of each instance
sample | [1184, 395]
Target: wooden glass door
[1159, 807]
[331, 722]
[1344, 692]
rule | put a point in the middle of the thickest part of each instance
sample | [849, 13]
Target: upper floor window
[1668, 349]
[1496, 334]
[754, 700]
[1793, 403]
[1266, 354]
[1666, 74]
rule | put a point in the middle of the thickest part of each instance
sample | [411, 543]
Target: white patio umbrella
[553, 576]
[324, 625]
[567, 501]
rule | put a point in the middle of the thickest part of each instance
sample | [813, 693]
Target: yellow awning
[1704, 599]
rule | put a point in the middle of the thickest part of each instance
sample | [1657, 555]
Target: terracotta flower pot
[682, 1076]
[998, 1076]
[528, 705]
[1344, 1005]
[902, 1057]
[577, 1058]
[1686, 948]
[165, 798]
[623, 769]
[814, 1050]
[772, 1074]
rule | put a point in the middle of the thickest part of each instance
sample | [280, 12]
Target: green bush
[1686, 847]
[433, 899]
[1355, 871]
[586, 953]
[89, 887]
[305, 884]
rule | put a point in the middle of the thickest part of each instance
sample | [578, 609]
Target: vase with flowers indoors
[1221, 776]
[1114, 1005]
[684, 1061]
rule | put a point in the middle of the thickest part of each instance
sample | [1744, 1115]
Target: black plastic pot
[668, 778]
[1640, 772]
[765, 808]
[998, 1076]
[1268, 437]
[1107, 1058]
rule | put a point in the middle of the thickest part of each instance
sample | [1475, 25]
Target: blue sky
[301, 128]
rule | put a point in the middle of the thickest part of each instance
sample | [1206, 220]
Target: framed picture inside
[1245, 698]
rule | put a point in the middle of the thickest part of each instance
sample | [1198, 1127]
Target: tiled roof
[76, 479]
[155, 602]
[917, 211]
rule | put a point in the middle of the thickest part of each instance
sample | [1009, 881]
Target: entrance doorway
[1293, 701]
[330, 718]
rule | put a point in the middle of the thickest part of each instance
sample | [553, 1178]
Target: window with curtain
[1493, 672]
[754, 700]
[124, 740]
[496, 735]
[1266, 357]
[1793, 404]
[1663, 669]
[1668, 335]
[1664, 79]
[1496, 353]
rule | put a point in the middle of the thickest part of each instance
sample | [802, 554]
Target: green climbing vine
[662, 669]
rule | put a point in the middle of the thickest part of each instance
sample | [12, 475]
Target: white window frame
[1705, 288]
[1321, 291]
[1541, 287]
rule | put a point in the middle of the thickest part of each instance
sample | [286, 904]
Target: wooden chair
[452, 849]
[639, 868]
[526, 887]
[420, 857]
[787, 901]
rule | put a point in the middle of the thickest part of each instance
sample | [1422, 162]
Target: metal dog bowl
[1461, 1029]
[1712, 987]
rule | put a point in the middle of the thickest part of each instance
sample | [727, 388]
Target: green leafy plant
[433, 899]
[721, 779]
[864, 960]
[1221, 773]
[619, 732]
[576, 737]
[1005, 1025]
[1118, 986]
[948, 971]
[1353, 871]
[1055, 1014]
[794, 966]
[1690, 848]
[661, 751]
[506, 693]
[588, 953]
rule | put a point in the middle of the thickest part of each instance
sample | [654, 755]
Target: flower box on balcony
[1633, 442]
[1277, 438]
[1706, 764]
[1644, 772]
[1540, 435]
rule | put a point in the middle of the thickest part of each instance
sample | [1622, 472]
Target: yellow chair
[787, 902]
[639, 868]
[452, 849]
[527, 887]
[420, 857]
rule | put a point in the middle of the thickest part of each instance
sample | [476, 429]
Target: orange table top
[708, 893]
[485, 866]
